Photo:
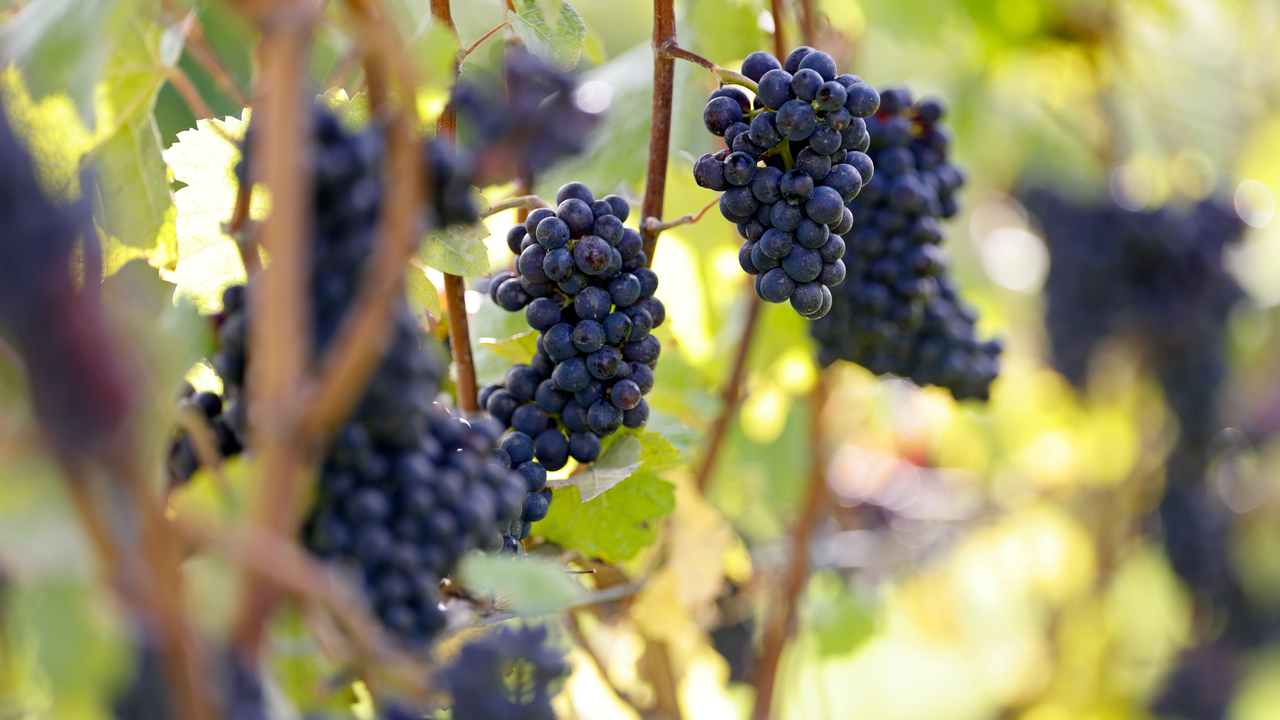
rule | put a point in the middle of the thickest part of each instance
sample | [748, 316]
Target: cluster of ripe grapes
[505, 676]
[405, 488]
[794, 158]
[1157, 276]
[899, 312]
[580, 278]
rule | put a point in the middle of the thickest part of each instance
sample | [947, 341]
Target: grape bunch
[791, 164]
[183, 461]
[580, 278]
[1157, 276]
[505, 676]
[899, 312]
[404, 488]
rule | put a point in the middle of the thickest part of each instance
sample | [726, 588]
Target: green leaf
[421, 291]
[517, 348]
[488, 323]
[133, 190]
[61, 47]
[559, 45]
[529, 586]
[51, 130]
[594, 48]
[619, 460]
[457, 250]
[205, 159]
[614, 526]
[352, 112]
[839, 619]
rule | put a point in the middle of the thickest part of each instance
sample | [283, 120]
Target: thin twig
[806, 22]
[724, 75]
[779, 37]
[730, 396]
[463, 55]
[664, 71]
[455, 290]
[189, 92]
[204, 54]
[522, 202]
[353, 356]
[783, 618]
[280, 338]
[652, 225]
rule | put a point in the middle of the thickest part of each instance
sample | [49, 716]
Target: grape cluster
[183, 461]
[505, 676]
[899, 312]
[404, 488]
[580, 278]
[791, 164]
[1157, 277]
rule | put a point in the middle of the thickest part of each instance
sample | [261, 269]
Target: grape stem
[779, 38]
[455, 290]
[726, 77]
[462, 54]
[782, 623]
[654, 226]
[189, 92]
[730, 396]
[664, 73]
[521, 202]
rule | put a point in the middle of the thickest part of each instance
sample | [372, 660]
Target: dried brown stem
[779, 37]
[783, 618]
[484, 37]
[189, 92]
[281, 337]
[454, 287]
[806, 22]
[652, 224]
[354, 355]
[204, 54]
[730, 395]
[664, 71]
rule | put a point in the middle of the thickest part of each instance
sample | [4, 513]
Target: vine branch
[455, 290]
[731, 395]
[522, 202]
[783, 621]
[654, 226]
[779, 38]
[463, 54]
[664, 71]
[724, 75]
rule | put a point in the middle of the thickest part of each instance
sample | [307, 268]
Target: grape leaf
[205, 159]
[421, 291]
[61, 47]
[559, 45]
[50, 129]
[618, 461]
[528, 587]
[517, 348]
[457, 250]
[614, 526]
[133, 192]
[352, 112]
[491, 322]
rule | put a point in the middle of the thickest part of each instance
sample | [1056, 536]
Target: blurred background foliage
[981, 560]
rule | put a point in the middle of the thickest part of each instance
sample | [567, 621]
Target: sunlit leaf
[421, 291]
[517, 348]
[614, 526]
[352, 112]
[205, 159]
[492, 323]
[530, 586]
[559, 44]
[61, 46]
[52, 131]
[457, 250]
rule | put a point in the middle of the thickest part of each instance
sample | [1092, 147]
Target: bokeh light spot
[1255, 204]
[594, 96]
[1015, 259]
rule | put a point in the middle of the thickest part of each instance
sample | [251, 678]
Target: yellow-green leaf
[517, 348]
[558, 44]
[421, 291]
